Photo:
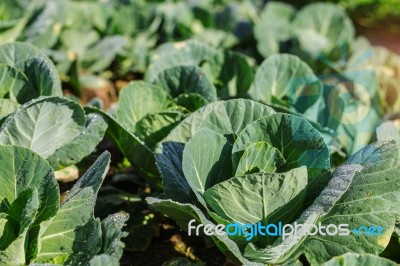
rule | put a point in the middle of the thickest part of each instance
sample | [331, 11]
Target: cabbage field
[211, 132]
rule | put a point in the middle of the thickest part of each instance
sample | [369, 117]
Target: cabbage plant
[346, 104]
[230, 72]
[319, 30]
[240, 161]
[386, 65]
[33, 113]
[147, 112]
[26, 73]
[38, 225]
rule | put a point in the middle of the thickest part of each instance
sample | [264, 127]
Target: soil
[172, 244]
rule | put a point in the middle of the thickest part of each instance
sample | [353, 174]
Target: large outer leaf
[82, 145]
[268, 198]
[55, 128]
[183, 213]
[138, 99]
[43, 125]
[73, 235]
[321, 27]
[178, 54]
[187, 79]
[286, 80]
[364, 191]
[226, 118]
[359, 259]
[274, 27]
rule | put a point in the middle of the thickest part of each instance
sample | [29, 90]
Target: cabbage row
[229, 112]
